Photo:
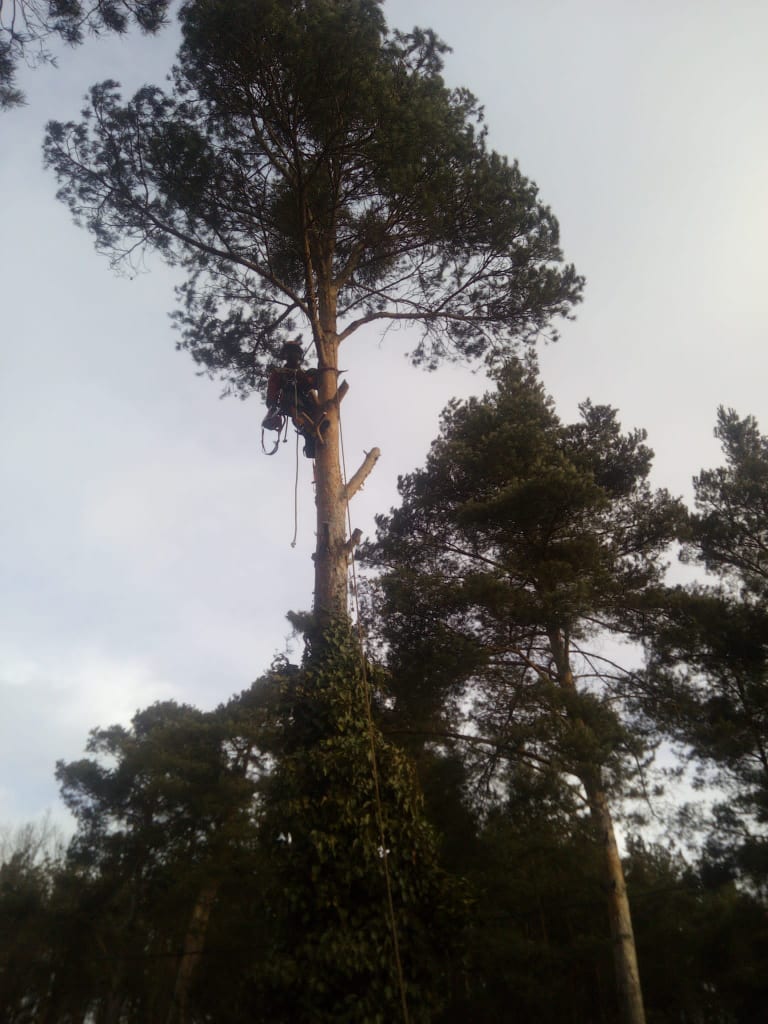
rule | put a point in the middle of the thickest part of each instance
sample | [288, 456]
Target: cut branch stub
[359, 478]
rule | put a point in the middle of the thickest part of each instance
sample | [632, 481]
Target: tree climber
[292, 391]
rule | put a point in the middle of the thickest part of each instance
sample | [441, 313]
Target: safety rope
[296, 496]
[296, 480]
[374, 762]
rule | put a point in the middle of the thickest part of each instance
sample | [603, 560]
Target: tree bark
[194, 940]
[331, 552]
[619, 913]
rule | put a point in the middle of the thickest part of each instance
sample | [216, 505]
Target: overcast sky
[146, 541]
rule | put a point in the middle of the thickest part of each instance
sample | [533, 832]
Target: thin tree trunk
[194, 940]
[619, 913]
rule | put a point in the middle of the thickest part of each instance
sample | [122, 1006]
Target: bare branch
[359, 478]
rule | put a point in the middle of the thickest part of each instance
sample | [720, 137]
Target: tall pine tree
[522, 539]
[708, 665]
[309, 167]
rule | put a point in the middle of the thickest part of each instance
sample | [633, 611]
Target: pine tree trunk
[622, 934]
[331, 551]
[619, 914]
[194, 941]
[332, 493]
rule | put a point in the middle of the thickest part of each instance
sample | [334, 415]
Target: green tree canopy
[27, 26]
[521, 540]
[308, 161]
[520, 527]
[166, 845]
[730, 525]
[708, 664]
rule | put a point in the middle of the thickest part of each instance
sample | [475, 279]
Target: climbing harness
[273, 421]
[311, 429]
[278, 418]
[277, 421]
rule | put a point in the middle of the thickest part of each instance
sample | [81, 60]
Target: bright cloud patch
[56, 702]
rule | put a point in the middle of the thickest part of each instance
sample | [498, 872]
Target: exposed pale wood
[359, 478]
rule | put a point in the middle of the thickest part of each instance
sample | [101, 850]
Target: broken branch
[357, 481]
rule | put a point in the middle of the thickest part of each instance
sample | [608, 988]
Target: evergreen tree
[30, 861]
[26, 26]
[166, 823]
[521, 539]
[730, 525]
[310, 167]
[265, 861]
[703, 944]
[708, 665]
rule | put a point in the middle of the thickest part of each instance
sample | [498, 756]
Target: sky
[145, 540]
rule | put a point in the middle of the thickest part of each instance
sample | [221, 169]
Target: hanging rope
[296, 496]
[374, 762]
[266, 424]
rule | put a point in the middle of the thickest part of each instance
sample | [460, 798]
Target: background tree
[30, 861]
[536, 938]
[520, 540]
[703, 943]
[730, 525]
[90, 935]
[166, 823]
[311, 167]
[239, 864]
[708, 667]
[26, 26]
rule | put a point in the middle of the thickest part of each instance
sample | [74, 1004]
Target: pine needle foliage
[308, 165]
[28, 27]
[707, 679]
